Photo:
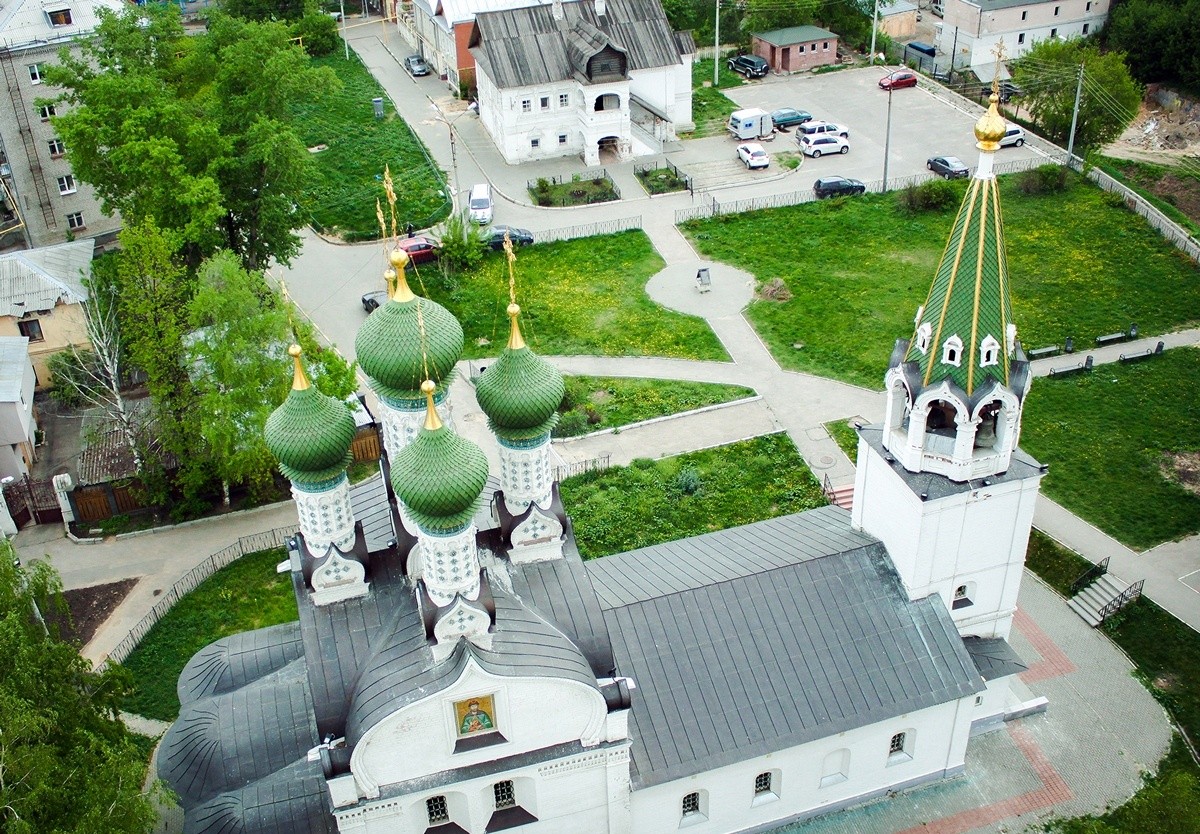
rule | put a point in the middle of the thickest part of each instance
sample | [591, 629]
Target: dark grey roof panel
[830, 643]
[369, 503]
[935, 486]
[685, 43]
[994, 657]
[293, 800]
[562, 590]
[687, 564]
[226, 741]
[234, 661]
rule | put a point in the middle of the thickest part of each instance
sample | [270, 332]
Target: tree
[268, 9]
[67, 764]
[1160, 38]
[1049, 75]
[193, 131]
[237, 351]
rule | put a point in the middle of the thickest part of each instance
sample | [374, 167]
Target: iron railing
[1089, 576]
[566, 470]
[600, 227]
[1121, 600]
[688, 185]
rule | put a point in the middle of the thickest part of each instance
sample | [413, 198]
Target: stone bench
[1082, 367]
[1042, 353]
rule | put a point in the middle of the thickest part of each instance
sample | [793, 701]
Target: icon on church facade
[475, 715]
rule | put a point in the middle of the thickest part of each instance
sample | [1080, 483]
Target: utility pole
[887, 140]
[717, 44]
[874, 23]
[345, 40]
[1075, 115]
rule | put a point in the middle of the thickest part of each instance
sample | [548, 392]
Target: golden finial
[398, 289]
[515, 341]
[299, 378]
[287, 303]
[990, 128]
[382, 221]
[390, 191]
[432, 421]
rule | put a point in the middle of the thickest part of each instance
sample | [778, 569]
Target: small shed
[796, 48]
[899, 19]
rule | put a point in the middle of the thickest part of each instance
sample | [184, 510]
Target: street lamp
[887, 138]
[449, 123]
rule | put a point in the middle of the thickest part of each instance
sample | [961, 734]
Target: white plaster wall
[978, 31]
[977, 536]
[569, 794]
[419, 739]
[938, 736]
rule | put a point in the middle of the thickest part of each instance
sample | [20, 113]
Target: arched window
[924, 334]
[952, 351]
[989, 352]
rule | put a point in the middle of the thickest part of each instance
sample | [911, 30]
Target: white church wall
[823, 775]
[421, 739]
[569, 793]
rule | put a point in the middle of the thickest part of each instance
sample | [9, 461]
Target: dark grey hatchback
[416, 66]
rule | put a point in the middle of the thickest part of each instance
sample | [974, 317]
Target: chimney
[600, 10]
[557, 10]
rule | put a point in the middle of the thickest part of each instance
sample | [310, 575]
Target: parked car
[818, 128]
[815, 146]
[420, 250]
[374, 299]
[416, 66]
[753, 155]
[1008, 90]
[898, 79]
[750, 66]
[519, 237]
[1013, 136]
[479, 202]
[837, 187]
[950, 167]
[788, 116]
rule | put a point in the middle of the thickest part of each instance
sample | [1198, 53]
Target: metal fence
[566, 470]
[688, 185]
[590, 176]
[246, 544]
[600, 227]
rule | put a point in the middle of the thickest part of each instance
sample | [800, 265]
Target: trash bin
[378, 102]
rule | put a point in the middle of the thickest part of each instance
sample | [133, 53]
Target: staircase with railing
[1096, 595]
[841, 496]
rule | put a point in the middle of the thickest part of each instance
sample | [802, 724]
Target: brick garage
[797, 48]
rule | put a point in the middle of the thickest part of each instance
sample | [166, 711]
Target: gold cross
[999, 51]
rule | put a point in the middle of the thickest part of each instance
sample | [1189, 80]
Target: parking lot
[923, 125]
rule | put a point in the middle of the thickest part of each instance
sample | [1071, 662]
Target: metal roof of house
[459, 11]
[826, 638]
[794, 34]
[994, 657]
[26, 23]
[38, 279]
[527, 46]
[14, 358]
[897, 7]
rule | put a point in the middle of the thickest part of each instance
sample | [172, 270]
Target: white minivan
[480, 203]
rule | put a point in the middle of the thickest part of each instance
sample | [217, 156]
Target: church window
[526, 105]
[952, 351]
[506, 797]
[989, 352]
[962, 596]
[900, 748]
[836, 768]
[691, 804]
[564, 99]
[437, 809]
[924, 332]
[762, 783]
[897, 743]
[59, 17]
[544, 101]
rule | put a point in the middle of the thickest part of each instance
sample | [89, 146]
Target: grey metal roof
[292, 800]
[795, 34]
[39, 279]
[234, 661]
[992, 5]
[718, 557]
[369, 503]
[828, 640]
[993, 657]
[14, 359]
[526, 47]
[934, 486]
[224, 742]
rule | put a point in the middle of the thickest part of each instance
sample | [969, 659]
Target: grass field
[595, 403]
[247, 594]
[858, 269]
[649, 502]
[578, 297]
[350, 171]
[1110, 435]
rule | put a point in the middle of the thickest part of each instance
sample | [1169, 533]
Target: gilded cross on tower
[999, 51]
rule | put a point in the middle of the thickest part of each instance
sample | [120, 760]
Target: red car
[896, 80]
[420, 249]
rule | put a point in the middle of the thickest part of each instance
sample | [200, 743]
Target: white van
[480, 203]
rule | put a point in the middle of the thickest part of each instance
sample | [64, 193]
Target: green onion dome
[439, 476]
[310, 433]
[407, 339]
[520, 392]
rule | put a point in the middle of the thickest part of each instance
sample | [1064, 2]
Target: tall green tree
[237, 352]
[193, 131]
[67, 764]
[1160, 38]
[1049, 73]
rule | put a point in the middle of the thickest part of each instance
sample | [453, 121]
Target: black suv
[1008, 90]
[837, 186]
[750, 66]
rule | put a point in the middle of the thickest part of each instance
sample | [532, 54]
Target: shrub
[462, 243]
[933, 195]
[571, 424]
[319, 34]
[687, 481]
[1044, 179]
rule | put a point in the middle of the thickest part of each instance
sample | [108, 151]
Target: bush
[319, 34]
[571, 424]
[687, 481]
[70, 376]
[1044, 179]
[462, 243]
[933, 195]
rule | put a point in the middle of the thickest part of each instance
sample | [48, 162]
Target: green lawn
[350, 171]
[859, 268]
[710, 112]
[845, 436]
[1108, 436]
[584, 296]
[247, 594]
[1176, 186]
[595, 403]
[702, 72]
[649, 502]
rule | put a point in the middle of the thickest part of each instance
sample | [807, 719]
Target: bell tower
[942, 481]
